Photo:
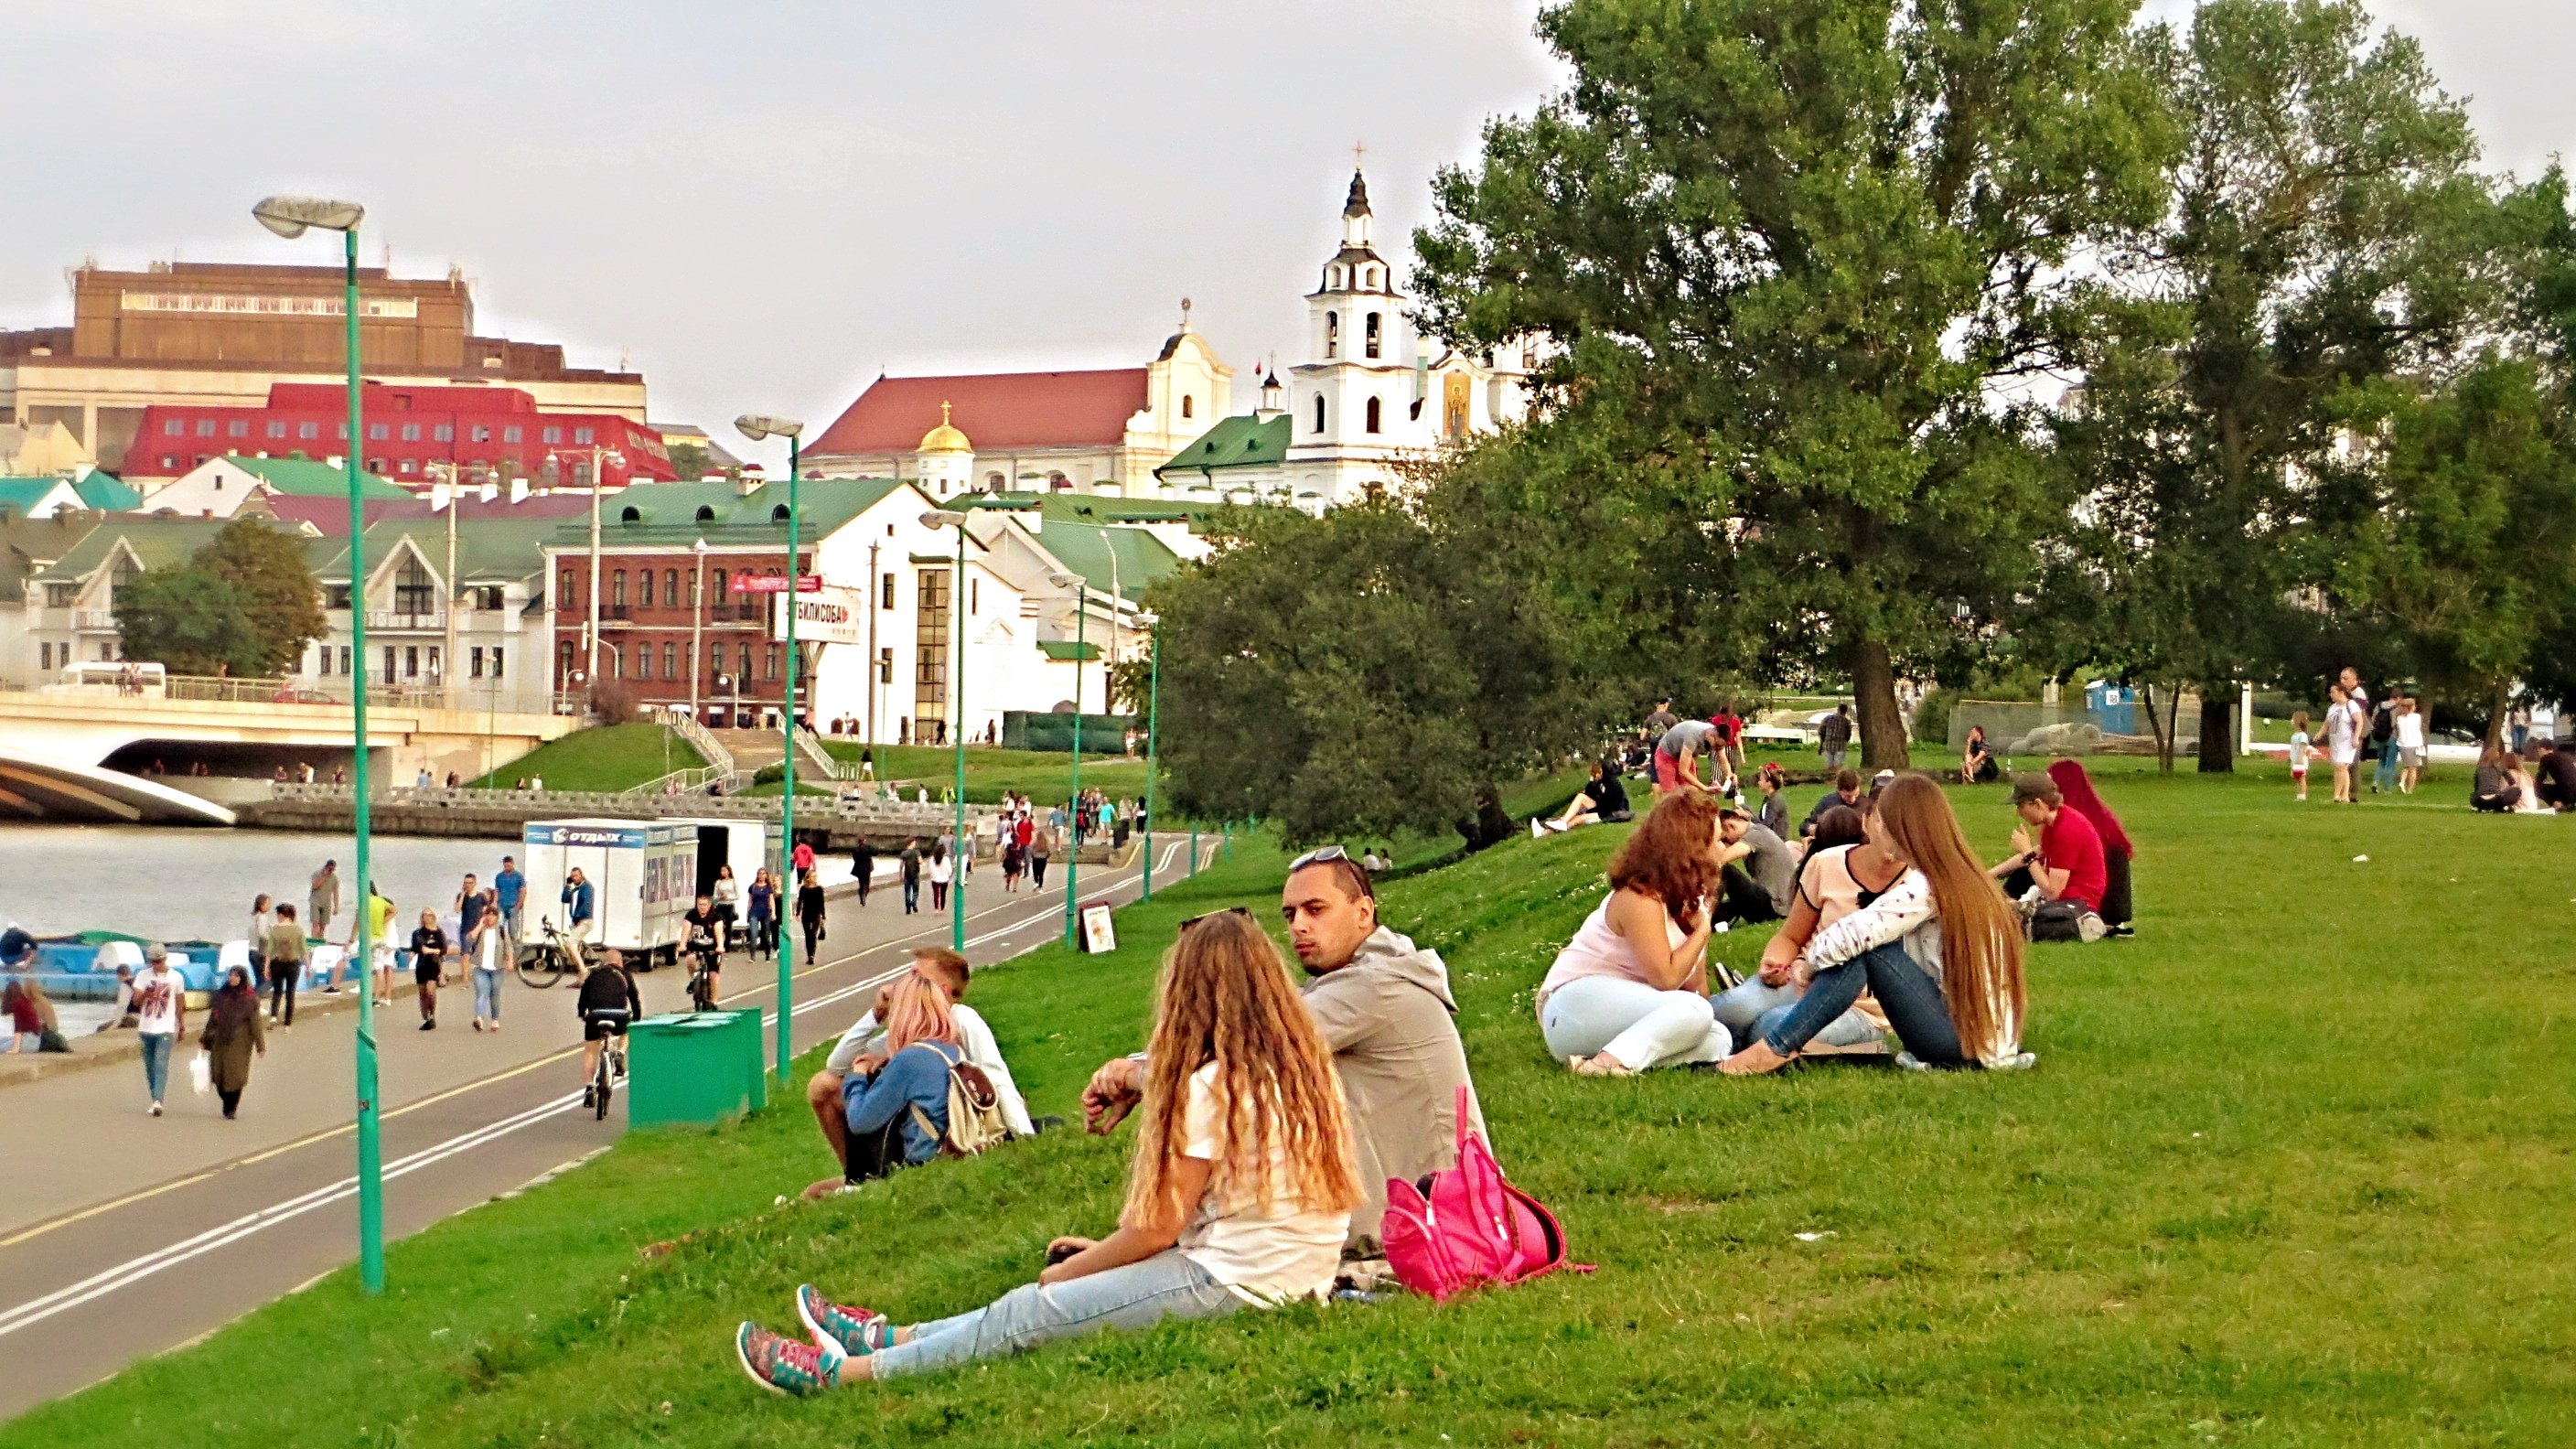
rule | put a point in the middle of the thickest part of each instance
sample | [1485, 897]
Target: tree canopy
[245, 604]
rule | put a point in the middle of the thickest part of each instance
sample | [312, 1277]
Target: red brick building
[484, 433]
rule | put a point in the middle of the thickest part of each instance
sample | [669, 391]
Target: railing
[899, 814]
[832, 767]
[93, 618]
[701, 739]
[734, 613]
[208, 688]
[406, 619]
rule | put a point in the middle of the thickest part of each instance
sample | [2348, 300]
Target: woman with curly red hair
[1630, 991]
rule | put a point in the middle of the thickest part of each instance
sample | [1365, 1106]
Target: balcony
[89, 619]
[402, 620]
[737, 613]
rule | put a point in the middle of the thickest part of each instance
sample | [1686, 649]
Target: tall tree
[1792, 258]
[185, 619]
[280, 602]
[2324, 230]
[1358, 675]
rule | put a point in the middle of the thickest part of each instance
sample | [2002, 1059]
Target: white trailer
[642, 875]
[746, 845]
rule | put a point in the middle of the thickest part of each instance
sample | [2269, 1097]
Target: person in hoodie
[1384, 1007]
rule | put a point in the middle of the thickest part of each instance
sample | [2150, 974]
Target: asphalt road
[124, 1235]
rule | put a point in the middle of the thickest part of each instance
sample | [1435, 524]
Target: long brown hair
[1224, 997]
[1980, 932]
[1668, 857]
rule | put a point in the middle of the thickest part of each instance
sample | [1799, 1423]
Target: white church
[1371, 395]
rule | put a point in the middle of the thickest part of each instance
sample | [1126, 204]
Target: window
[1319, 412]
[552, 435]
[617, 588]
[474, 663]
[694, 581]
[1372, 414]
[59, 596]
[769, 662]
[1332, 334]
[631, 514]
[205, 427]
[276, 429]
[742, 669]
[237, 428]
[344, 659]
[308, 430]
[992, 484]
[1373, 334]
[443, 433]
[340, 431]
[480, 433]
[718, 588]
[170, 461]
[496, 661]
[706, 513]
[377, 466]
[974, 596]
[583, 435]
[566, 595]
[379, 432]
[1368, 276]
[174, 429]
[410, 466]
[888, 601]
[336, 597]
[644, 659]
[411, 432]
[563, 662]
[779, 514]
[1187, 403]
[670, 588]
[435, 669]
[644, 589]
[513, 433]
[670, 661]
[393, 656]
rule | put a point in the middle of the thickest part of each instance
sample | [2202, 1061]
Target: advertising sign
[1099, 934]
[832, 615]
[772, 584]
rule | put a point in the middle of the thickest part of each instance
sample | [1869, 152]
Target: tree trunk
[2503, 698]
[2156, 727]
[1882, 725]
[2217, 740]
[1491, 824]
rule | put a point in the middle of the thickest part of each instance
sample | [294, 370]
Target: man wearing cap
[1663, 718]
[2066, 864]
[161, 1006]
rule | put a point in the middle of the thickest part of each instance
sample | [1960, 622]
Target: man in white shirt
[865, 1040]
[161, 1009]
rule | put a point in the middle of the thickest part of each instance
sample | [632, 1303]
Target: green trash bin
[697, 1068]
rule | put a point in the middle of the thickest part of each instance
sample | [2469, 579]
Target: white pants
[1636, 1024]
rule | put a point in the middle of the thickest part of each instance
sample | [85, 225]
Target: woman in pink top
[1630, 991]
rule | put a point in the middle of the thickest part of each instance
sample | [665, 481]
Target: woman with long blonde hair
[1941, 950]
[1241, 1192]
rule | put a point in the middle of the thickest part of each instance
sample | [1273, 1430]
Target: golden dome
[944, 439]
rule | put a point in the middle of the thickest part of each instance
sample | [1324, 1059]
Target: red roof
[997, 411]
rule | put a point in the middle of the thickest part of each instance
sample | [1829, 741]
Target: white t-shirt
[1268, 1256]
[2410, 731]
[2298, 749]
[487, 949]
[2343, 732]
[158, 997]
[939, 871]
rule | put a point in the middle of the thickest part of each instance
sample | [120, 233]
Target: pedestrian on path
[911, 862]
[380, 928]
[285, 964]
[324, 901]
[801, 859]
[161, 1006]
[232, 1036]
[509, 888]
[1041, 846]
[428, 962]
[470, 905]
[762, 906]
[261, 918]
[809, 912]
[863, 866]
[489, 947]
[580, 904]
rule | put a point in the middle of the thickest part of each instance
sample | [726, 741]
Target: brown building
[211, 333]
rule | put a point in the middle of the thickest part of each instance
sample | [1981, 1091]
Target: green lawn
[608, 757]
[2293, 1170]
[1044, 775]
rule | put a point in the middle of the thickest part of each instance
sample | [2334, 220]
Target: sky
[762, 207]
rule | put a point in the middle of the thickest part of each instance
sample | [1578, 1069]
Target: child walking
[2299, 747]
[428, 965]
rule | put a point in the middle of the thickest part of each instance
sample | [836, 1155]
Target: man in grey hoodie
[1384, 1007]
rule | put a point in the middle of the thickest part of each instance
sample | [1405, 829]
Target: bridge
[91, 752]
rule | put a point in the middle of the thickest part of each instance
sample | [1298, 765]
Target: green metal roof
[488, 550]
[106, 493]
[1243, 441]
[679, 512]
[19, 495]
[1061, 650]
[1088, 548]
[157, 543]
[305, 478]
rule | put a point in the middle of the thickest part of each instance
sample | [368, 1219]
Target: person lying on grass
[1240, 1194]
[865, 1042]
[1384, 1008]
[1941, 949]
[1630, 992]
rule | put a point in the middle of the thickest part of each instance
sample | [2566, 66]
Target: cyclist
[608, 1001]
[705, 931]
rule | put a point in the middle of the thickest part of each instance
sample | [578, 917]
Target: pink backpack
[1471, 1227]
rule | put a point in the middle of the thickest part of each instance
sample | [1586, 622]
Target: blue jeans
[2386, 777]
[1139, 1295]
[1905, 991]
[156, 1062]
[911, 896]
[487, 993]
[1749, 1009]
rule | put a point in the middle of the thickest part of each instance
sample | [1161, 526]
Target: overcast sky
[763, 213]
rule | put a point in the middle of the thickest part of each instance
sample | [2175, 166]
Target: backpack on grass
[974, 1110]
[1467, 1227]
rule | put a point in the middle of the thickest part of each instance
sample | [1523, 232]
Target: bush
[612, 703]
[1932, 716]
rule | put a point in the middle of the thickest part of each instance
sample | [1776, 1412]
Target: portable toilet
[642, 875]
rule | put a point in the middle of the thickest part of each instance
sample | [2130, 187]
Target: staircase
[752, 750]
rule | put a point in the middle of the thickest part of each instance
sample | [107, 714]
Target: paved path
[123, 1235]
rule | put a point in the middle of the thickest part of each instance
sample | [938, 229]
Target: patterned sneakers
[853, 1331]
[782, 1365]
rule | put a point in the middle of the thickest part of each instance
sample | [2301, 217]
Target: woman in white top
[1940, 950]
[1240, 1195]
[1630, 991]
[2409, 723]
[940, 873]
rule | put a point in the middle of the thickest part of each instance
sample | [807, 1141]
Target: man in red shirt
[2067, 864]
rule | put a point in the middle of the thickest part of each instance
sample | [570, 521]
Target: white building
[222, 487]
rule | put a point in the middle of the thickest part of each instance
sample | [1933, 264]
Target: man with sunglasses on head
[1384, 1007]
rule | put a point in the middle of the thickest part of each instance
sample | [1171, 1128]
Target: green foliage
[187, 620]
[1362, 674]
[1788, 251]
[281, 603]
[689, 461]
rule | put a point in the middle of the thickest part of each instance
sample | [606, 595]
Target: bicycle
[612, 1065]
[704, 964]
[549, 961]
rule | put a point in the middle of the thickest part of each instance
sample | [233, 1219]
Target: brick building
[486, 434]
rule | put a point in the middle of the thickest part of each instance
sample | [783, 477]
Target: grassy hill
[605, 757]
[2292, 1171]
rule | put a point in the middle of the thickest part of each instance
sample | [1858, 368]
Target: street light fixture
[938, 518]
[290, 217]
[759, 426]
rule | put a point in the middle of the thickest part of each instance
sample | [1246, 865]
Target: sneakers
[1537, 831]
[478, 1023]
[156, 1109]
[429, 1025]
[782, 1365]
[590, 1094]
[851, 1331]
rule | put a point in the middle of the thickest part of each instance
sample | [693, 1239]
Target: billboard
[830, 615]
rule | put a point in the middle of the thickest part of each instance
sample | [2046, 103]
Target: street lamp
[1073, 807]
[942, 518]
[290, 217]
[758, 426]
[1153, 707]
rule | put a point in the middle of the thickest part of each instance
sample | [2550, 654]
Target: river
[184, 884]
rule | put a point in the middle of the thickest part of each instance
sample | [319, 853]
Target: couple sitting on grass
[1271, 1124]
[882, 1096]
[1905, 916]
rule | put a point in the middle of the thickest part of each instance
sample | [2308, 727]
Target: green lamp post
[1073, 805]
[290, 217]
[757, 427]
[942, 518]
[1153, 708]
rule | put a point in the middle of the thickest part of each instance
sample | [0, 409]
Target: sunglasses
[1243, 911]
[1317, 856]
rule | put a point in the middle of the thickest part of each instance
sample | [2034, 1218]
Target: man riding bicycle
[704, 938]
[607, 1003]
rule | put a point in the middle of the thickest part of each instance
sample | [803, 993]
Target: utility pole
[697, 628]
[869, 730]
[591, 652]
